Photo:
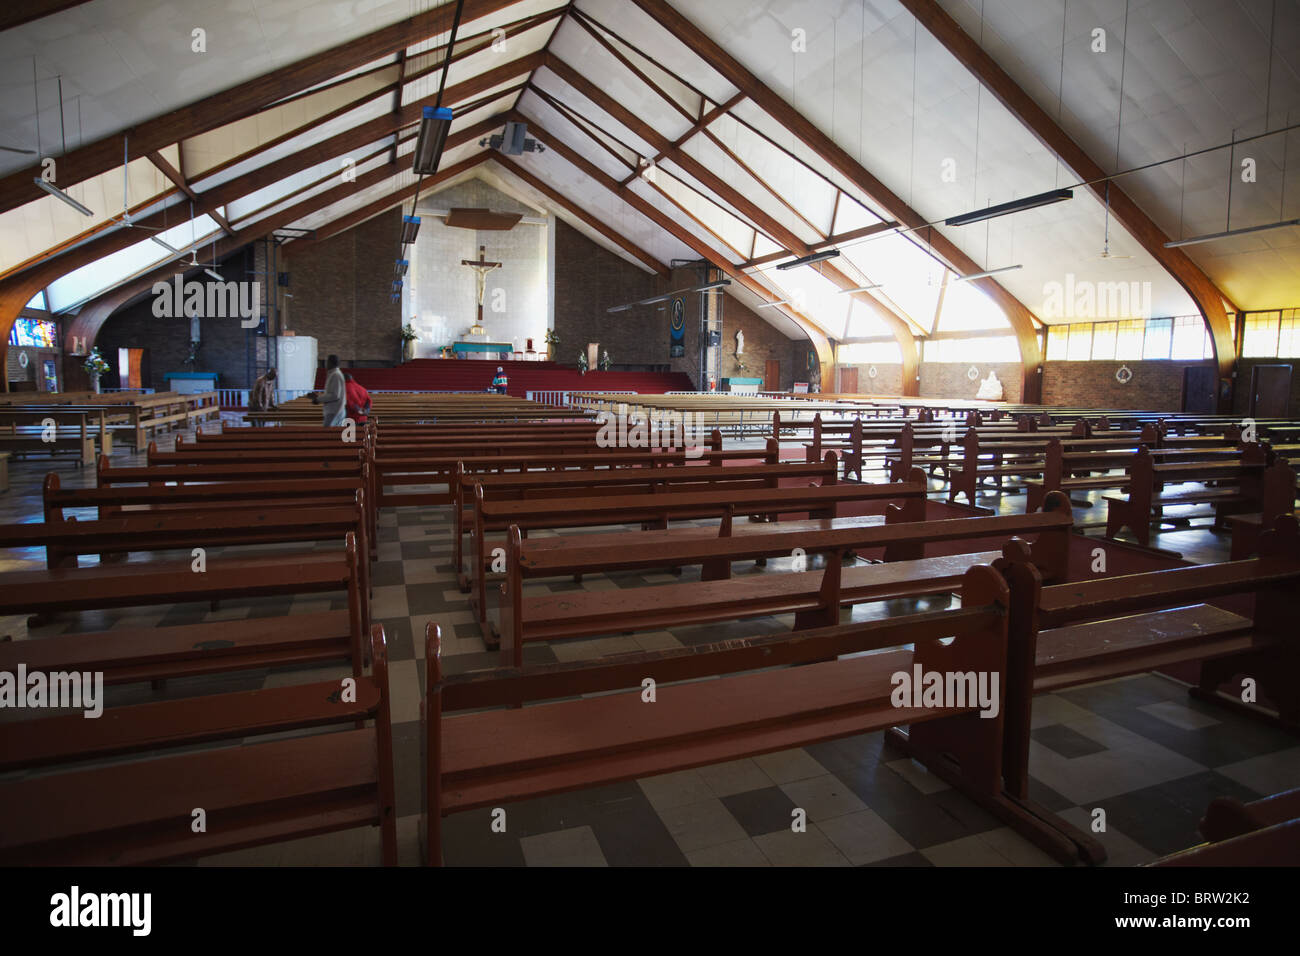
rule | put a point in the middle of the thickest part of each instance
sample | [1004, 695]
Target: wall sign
[677, 328]
[972, 373]
[1123, 374]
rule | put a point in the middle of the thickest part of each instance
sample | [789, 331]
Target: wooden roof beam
[967, 51]
[613, 235]
[240, 101]
[816, 336]
[85, 327]
[1023, 322]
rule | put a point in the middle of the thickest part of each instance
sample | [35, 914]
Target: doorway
[1270, 391]
[130, 368]
[849, 380]
[772, 375]
[1200, 389]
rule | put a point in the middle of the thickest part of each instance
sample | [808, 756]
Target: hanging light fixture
[410, 229]
[58, 193]
[434, 124]
[809, 259]
[402, 266]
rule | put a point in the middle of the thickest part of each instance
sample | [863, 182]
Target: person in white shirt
[332, 400]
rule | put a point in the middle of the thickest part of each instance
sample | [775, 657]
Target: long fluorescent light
[809, 259]
[984, 275]
[1016, 205]
[410, 229]
[167, 245]
[401, 267]
[773, 305]
[216, 275]
[861, 288]
[1193, 240]
[669, 295]
[434, 124]
[58, 193]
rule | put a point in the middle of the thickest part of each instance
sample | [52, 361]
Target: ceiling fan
[1105, 249]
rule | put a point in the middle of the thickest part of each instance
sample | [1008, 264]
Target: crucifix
[481, 268]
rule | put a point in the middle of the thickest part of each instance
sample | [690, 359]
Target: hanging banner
[677, 328]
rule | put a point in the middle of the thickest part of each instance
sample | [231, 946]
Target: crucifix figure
[481, 268]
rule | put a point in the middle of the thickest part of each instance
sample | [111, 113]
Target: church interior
[650, 433]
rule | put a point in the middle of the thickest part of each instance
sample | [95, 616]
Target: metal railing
[548, 397]
[138, 391]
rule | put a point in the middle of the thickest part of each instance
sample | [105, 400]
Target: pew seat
[251, 794]
[125, 655]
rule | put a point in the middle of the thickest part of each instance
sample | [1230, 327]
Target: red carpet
[471, 375]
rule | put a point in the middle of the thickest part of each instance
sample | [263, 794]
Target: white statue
[740, 342]
[990, 388]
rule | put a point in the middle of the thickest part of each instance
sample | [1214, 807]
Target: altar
[479, 349]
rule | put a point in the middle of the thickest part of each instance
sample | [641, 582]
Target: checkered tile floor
[1139, 749]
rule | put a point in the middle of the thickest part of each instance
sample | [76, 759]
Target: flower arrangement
[582, 362]
[409, 334]
[552, 340]
[95, 364]
[605, 361]
[192, 359]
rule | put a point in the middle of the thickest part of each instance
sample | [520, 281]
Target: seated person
[500, 382]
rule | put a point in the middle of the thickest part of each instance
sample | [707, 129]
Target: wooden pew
[141, 811]
[815, 597]
[441, 468]
[1278, 845]
[655, 510]
[850, 448]
[64, 540]
[1264, 832]
[622, 481]
[1069, 634]
[491, 757]
[53, 430]
[1146, 497]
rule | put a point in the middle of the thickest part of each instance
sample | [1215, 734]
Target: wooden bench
[119, 535]
[493, 757]
[441, 468]
[1277, 498]
[1146, 498]
[155, 653]
[1264, 832]
[657, 510]
[53, 431]
[571, 483]
[142, 811]
[1069, 634]
[4, 471]
[814, 597]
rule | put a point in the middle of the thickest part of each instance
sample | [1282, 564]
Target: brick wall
[341, 291]
[1155, 385]
[951, 379]
[888, 380]
[762, 343]
[226, 345]
[588, 280]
